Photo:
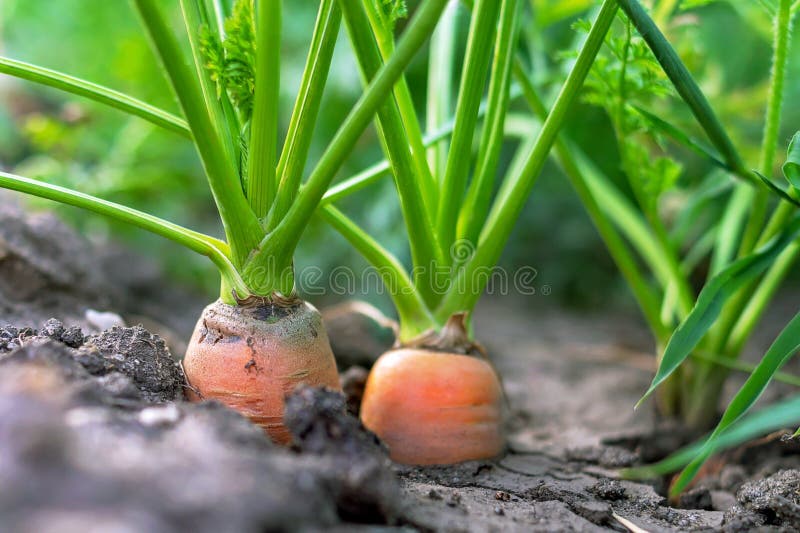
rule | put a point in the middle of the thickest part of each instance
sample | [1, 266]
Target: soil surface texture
[95, 434]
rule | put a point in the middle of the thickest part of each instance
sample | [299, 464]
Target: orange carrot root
[250, 358]
[434, 407]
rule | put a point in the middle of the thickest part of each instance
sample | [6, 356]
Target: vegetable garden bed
[93, 433]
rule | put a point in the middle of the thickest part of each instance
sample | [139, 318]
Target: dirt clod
[697, 498]
[608, 489]
[354, 380]
[774, 500]
[142, 356]
[356, 463]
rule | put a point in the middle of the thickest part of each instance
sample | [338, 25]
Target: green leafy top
[394, 10]
[627, 76]
[231, 61]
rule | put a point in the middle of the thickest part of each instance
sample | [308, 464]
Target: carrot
[249, 357]
[432, 407]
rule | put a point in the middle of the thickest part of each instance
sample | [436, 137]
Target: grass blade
[776, 189]
[711, 300]
[782, 349]
[98, 93]
[776, 416]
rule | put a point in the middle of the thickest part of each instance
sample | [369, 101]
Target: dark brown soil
[94, 433]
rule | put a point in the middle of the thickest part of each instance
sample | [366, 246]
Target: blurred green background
[70, 141]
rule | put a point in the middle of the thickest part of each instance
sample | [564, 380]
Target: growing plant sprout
[435, 399]
[259, 339]
[699, 336]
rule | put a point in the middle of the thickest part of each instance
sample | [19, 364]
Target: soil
[95, 433]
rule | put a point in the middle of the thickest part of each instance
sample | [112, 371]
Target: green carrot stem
[306, 109]
[282, 241]
[92, 91]
[412, 311]
[241, 226]
[425, 250]
[469, 284]
[476, 65]
[261, 181]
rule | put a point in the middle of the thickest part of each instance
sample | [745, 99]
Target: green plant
[456, 226]
[699, 337]
[232, 120]
[446, 213]
[228, 90]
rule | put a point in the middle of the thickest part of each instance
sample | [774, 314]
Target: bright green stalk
[241, 225]
[476, 204]
[440, 83]
[221, 12]
[730, 229]
[306, 108]
[98, 93]
[382, 29]
[375, 172]
[769, 142]
[194, 18]
[476, 64]
[412, 311]
[203, 244]
[357, 182]
[281, 243]
[507, 207]
[261, 180]
[645, 297]
[422, 237]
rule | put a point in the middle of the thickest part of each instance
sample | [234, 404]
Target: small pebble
[160, 416]
[103, 320]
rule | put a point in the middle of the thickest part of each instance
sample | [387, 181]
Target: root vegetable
[250, 357]
[433, 407]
